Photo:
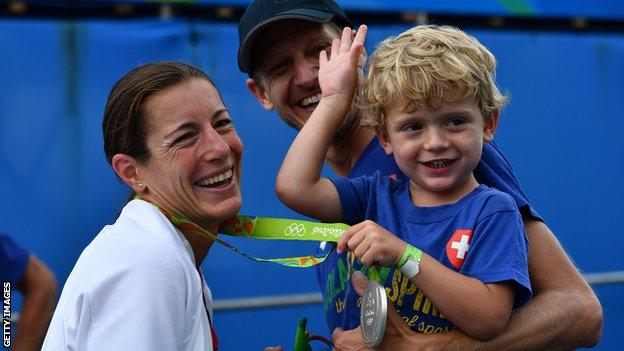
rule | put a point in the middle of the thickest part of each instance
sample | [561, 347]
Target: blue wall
[560, 131]
[544, 8]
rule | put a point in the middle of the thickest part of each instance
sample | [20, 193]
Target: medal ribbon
[267, 229]
[288, 229]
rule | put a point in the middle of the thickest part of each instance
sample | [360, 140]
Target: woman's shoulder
[133, 266]
[139, 223]
[141, 241]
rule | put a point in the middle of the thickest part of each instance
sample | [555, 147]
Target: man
[28, 275]
[279, 47]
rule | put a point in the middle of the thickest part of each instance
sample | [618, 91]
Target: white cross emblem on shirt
[461, 246]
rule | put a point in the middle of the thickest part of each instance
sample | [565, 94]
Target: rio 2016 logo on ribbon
[334, 232]
[295, 229]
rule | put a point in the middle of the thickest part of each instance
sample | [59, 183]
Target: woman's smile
[217, 181]
[194, 169]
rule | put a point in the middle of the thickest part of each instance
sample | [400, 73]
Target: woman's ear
[384, 140]
[490, 124]
[127, 169]
[257, 91]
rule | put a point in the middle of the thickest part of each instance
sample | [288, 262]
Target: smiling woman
[138, 285]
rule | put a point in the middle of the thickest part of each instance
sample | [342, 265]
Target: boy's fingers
[345, 41]
[357, 227]
[335, 48]
[358, 42]
[350, 242]
[360, 36]
[362, 58]
[342, 242]
[367, 258]
[365, 251]
[359, 245]
[356, 51]
[323, 57]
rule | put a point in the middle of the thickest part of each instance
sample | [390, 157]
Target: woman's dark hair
[124, 124]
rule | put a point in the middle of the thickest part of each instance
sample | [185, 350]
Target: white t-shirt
[135, 287]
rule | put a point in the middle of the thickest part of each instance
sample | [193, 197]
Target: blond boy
[458, 247]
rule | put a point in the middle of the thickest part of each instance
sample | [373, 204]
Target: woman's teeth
[311, 100]
[218, 178]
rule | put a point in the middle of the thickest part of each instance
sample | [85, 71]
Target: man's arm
[38, 287]
[564, 313]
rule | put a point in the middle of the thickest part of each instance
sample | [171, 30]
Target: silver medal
[373, 313]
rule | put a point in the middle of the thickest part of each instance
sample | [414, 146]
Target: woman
[138, 285]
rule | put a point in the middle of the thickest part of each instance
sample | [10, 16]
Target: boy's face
[438, 149]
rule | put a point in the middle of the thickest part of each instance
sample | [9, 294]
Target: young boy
[431, 97]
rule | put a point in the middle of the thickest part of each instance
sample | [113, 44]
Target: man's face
[286, 67]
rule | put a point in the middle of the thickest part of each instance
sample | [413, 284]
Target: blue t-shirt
[481, 236]
[334, 274]
[13, 260]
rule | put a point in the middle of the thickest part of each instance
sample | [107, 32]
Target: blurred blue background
[559, 131]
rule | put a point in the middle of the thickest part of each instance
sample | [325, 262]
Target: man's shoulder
[486, 201]
[378, 180]
[374, 159]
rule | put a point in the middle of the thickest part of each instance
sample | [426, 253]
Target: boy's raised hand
[372, 244]
[338, 73]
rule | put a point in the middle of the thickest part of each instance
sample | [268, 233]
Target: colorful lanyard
[373, 314]
[268, 229]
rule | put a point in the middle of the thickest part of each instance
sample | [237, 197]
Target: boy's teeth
[438, 163]
[311, 100]
[218, 178]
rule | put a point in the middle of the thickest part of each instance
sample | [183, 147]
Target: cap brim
[244, 52]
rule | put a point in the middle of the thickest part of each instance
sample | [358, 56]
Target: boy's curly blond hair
[426, 66]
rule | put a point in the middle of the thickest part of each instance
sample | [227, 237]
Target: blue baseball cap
[261, 13]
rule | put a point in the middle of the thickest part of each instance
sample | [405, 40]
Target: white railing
[615, 277]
